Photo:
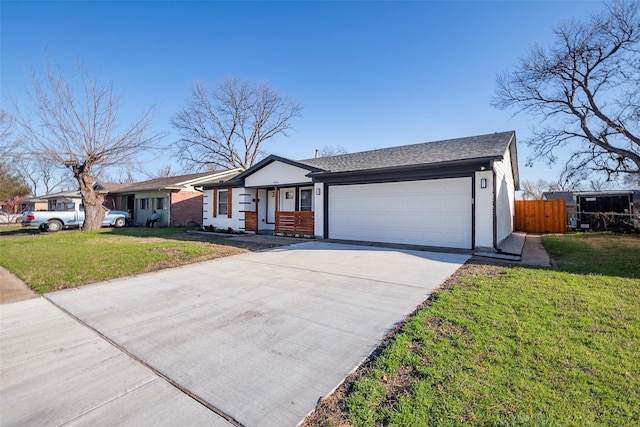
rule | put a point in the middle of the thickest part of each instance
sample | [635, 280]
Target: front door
[271, 207]
[131, 204]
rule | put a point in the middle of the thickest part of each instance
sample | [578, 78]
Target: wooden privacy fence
[295, 222]
[541, 216]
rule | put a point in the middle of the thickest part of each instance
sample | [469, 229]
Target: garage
[435, 212]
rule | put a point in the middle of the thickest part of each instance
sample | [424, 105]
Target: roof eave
[273, 158]
[213, 175]
[460, 162]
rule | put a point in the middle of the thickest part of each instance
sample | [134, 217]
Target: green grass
[596, 253]
[520, 347]
[58, 260]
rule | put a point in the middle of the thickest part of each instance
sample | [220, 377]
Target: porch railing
[250, 221]
[295, 222]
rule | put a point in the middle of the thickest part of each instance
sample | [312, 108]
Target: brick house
[177, 199]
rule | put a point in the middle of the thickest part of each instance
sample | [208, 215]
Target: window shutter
[215, 203]
[229, 206]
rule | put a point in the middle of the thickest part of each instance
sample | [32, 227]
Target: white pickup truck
[72, 217]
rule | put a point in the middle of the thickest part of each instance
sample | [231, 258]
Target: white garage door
[431, 213]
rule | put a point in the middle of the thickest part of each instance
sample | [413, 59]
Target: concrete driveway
[254, 339]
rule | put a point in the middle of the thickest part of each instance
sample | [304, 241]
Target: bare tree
[328, 151]
[8, 142]
[226, 126]
[586, 91]
[43, 175]
[74, 122]
[12, 184]
[164, 172]
[532, 190]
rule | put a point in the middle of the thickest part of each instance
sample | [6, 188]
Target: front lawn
[512, 347]
[51, 261]
[596, 253]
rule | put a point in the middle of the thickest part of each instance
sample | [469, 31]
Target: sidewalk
[13, 289]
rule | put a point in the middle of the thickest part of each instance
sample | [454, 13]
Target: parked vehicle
[72, 217]
[9, 218]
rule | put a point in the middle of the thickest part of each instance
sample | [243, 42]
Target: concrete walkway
[534, 254]
[254, 339]
[522, 248]
[514, 244]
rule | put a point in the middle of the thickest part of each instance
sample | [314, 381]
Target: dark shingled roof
[473, 147]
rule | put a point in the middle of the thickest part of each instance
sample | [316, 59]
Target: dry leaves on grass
[178, 256]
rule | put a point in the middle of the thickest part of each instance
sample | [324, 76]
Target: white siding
[505, 197]
[242, 199]
[318, 208]
[484, 211]
[276, 174]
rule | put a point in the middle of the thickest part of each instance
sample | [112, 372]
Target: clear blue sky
[368, 74]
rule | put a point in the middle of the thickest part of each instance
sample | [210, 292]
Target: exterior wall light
[317, 191]
[483, 182]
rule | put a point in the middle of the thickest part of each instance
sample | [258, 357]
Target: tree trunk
[92, 200]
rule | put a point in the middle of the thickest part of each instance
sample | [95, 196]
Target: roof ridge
[492, 145]
[407, 146]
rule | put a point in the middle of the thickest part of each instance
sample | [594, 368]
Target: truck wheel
[120, 222]
[54, 225]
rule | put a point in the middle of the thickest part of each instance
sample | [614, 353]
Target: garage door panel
[430, 213]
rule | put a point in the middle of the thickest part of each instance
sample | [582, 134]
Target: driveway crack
[160, 374]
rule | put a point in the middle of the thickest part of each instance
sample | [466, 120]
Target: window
[161, 204]
[144, 204]
[305, 200]
[223, 205]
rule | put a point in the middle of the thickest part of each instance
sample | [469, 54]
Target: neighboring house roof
[491, 146]
[559, 195]
[177, 183]
[63, 194]
[569, 195]
[111, 186]
[32, 200]
[101, 187]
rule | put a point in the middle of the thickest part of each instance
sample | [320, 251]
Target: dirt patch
[12, 289]
[331, 410]
[251, 244]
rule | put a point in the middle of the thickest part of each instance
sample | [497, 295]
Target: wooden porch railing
[250, 221]
[295, 222]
